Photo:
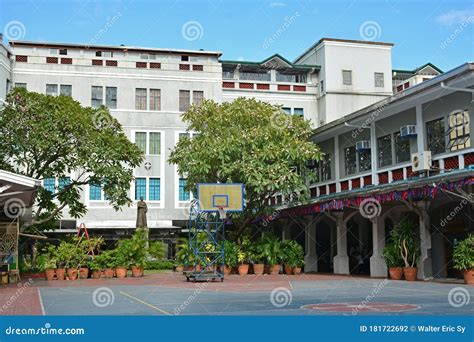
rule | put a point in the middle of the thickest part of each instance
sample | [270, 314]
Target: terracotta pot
[396, 273]
[296, 270]
[243, 269]
[72, 273]
[410, 273]
[288, 270]
[179, 269]
[258, 269]
[96, 274]
[60, 274]
[275, 269]
[50, 274]
[227, 270]
[121, 272]
[137, 271]
[469, 276]
[109, 272]
[83, 273]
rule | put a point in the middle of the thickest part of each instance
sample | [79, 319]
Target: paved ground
[168, 294]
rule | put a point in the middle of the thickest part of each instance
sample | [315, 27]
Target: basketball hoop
[222, 213]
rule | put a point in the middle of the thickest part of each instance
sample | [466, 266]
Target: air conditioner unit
[421, 161]
[363, 145]
[408, 131]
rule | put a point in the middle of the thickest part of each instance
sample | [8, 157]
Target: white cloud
[277, 4]
[455, 17]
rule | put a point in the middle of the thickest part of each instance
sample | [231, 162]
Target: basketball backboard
[229, 196]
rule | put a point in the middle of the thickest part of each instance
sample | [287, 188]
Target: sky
[440, 32]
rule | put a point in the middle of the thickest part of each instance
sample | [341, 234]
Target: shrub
[463, 256]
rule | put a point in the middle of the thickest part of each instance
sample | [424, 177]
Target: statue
[142, 209]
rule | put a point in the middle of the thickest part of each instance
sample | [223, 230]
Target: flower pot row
[397, 273]
[259, 269]
[84, 272]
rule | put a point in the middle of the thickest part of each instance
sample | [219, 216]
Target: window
[104, 53]
[378, 79]
[459, 136]
[154, 190]
[97, 96]
[49, 184]
[255, 76]
[154, 143]
[290, 78]
[95, 192]
[140, 141]
[325, 168]
[63, 52]
[53, 51]
[321, 87]
[63, 182]
[155, 99]
[184, 58]
[384, 145]
[227, 73]
[298, 111]
[65, 89]
[198, 97]
[346, 77]
[364, 160]
[140, 99]
[184, 100]
[147, 56]
[402, 149]
[52, 89]
[20, 85]
[435, 136]
[183, 194]
[140, 188]
[184, 135]
[111, 97]
[287, 110]
[350, 160]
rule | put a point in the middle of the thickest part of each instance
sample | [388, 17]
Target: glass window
[435, 136]
[378, 79]
[20, 85]
[350, 160]
[140, 99]
[52, 89]
[155, 99]
[346, 77]
[95, 192]
[184, 135]
[155, 143]
[154, 191]
[287, 110]
[63, 182]
[184, 100]
[97, 96]
[140, 188]
[290, 78]
[364, 160]
[198, 97]
[111, 97]
[402, 149]
[459, 136]
[49, 184]
[298, 111]
[140, 141]
[227, 73]
[65, 89]
[325, 167]
[255, 76]
[183, 194]
[384, 145]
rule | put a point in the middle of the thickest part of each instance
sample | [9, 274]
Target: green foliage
[231, 251]
[157, 249]
[106, 259]
[251, 142]
[406, 236]
[292, 253]
[182, 255]
[51, 136]
[392, 255]
[159, 265]
[272, 249]
[463, 255]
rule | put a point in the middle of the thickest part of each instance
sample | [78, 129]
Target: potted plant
[242, 260]
[286, 256]
[463, 258]
[136, 252]
[272, 250]
[295, 257]
[393, 259]
[95, 267]
[182, 256]
[50, 268]
[120, 261]
[61, 254]
[106, 261]
[258, 258]
[406, 236]
[230, 256]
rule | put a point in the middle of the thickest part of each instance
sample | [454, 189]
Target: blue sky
[441, 32]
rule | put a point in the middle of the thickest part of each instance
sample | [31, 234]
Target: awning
[17, 193]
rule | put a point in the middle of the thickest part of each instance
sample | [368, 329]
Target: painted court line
[41, 302]
[145, 303]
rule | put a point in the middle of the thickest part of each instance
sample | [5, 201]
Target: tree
[251, 142]
[46, 136]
